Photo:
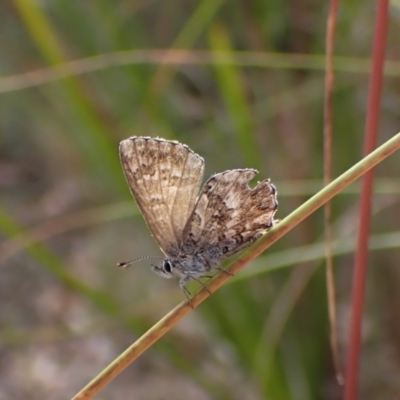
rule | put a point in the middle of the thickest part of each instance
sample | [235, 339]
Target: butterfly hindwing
[229, 215]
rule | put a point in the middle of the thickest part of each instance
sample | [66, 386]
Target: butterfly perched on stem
[195, 231]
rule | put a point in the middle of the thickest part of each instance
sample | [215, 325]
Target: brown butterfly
[194, 231]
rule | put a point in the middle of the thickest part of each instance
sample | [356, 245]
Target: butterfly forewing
[187, 174]
[164, 178]
[229, 215]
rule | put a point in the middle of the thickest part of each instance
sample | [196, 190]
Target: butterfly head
[166, 270]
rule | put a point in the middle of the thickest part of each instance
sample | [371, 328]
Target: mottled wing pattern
[229, 215]
[164, 178]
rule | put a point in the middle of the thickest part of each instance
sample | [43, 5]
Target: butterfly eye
[167, 266]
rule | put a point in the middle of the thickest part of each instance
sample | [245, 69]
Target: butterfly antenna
[126, 264]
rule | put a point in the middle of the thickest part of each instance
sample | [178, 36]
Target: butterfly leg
[202, 284]
[224, 271]
[186, 292]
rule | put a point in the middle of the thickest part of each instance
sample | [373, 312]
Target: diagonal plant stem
[284, 226]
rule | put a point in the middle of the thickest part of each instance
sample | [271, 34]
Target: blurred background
[78, 77]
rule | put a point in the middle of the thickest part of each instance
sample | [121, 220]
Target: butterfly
[195, 231]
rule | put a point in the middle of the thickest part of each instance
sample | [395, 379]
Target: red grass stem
[361, 259]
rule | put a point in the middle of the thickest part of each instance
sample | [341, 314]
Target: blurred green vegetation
[67, 218]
